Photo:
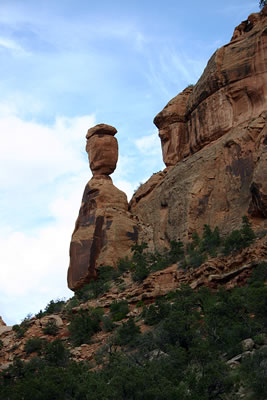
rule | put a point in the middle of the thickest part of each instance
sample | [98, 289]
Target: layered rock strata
[214, 141]
[215, 186]
[231, 90]
[104, 230]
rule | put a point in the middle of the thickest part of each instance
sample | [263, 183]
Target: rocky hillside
[129, 333]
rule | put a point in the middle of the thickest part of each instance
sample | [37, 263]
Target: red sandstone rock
[171, 122]
[2, 323]
[214, 141]
[102, 149]
[231, 90]
[104, 232]
[215, 186]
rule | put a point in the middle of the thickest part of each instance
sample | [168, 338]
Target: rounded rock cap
[101, 129]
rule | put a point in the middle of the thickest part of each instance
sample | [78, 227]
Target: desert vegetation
[191, 345]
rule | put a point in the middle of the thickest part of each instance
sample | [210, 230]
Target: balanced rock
[102, 149]
[105, 231]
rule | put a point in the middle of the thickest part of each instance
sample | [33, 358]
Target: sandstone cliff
[214, 139]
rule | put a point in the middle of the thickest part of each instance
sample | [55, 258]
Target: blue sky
[66, 65]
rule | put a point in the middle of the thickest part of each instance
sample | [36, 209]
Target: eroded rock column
[104, 231]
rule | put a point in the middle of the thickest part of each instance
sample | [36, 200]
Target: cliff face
[231, 90]
[214, 140]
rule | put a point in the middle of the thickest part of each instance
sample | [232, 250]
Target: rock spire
[104, 230]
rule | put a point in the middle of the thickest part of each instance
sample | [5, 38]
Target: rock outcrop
[104, 230]
[214, 141]
[231, 90]
[215, 186]
[102, 149]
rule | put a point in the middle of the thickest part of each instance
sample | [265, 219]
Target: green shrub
[140, 273]
[40, 314]
[254, 369]
[140, 266]
[195, 258]
[53, 307]
[127, 333]
[248, 235]
[262, 3]
[34, 344]
[155, 313]
[82, 327]
[176, 252]
[259, 339]
[22, 328]
[97, 287]
[259, 273]
[55, 353]
[233, 242]
[124, 264]
[239, 239]
[91, 290]
[71, 303]
[210, 241]
[19, 331]
[51, 328]
[119, 310]
[108, 324]
[140, 304]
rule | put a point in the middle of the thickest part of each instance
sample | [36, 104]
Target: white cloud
[13, 46]
[34, 264]
[149, 145]
[126, 186]
[37, 153]
[34, 268]
[34, 261]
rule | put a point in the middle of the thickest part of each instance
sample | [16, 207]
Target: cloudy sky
[66, 65]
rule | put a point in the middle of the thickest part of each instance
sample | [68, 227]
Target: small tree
[127, 333]
[119, 310]
[51, 328]
[262, 3]
[33, 344]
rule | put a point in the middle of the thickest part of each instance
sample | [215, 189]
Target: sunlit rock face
[173, 133]
[104, 231]
[214, 144]
[231, 90]
[216, 186]
[102, 149]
